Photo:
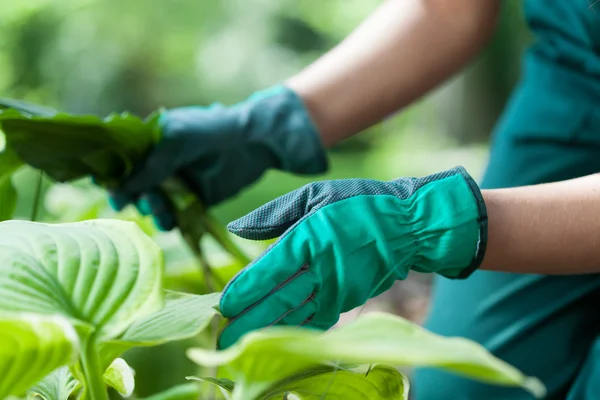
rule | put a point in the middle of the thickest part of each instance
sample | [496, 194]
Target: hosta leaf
[57, 386]
[102, 273]
[264, 357]
[68, 147]
[186, 391]
[380, 383]
[184, 316]
[119, 376]
[32, 346]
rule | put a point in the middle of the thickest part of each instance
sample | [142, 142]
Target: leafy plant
[78, 295]
[263, 361]
[70, 147]
[105, 278]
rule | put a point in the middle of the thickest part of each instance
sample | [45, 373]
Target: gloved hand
[342, 242]
[218, 150]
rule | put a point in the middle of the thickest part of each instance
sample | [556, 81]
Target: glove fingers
[274, 218]
[146, 176]
[292, 303]
[151, 172]
[156, 203]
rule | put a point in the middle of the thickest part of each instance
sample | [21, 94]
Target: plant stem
[93, 373]
[222, 237]
[37, 196]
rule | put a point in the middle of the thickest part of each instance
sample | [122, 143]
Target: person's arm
[403, 50]
[550, 228]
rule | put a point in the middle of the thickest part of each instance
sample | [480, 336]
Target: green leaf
[9, 163]
[103, 274]
[68, 147]
[119, 376]
[8, 196]
[261, 358]
[183, 316]
[380, 383]
[186, 391]
[59, 385]
[26, 107]
[32, 346]
[222, 383]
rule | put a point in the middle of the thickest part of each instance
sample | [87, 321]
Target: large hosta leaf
[262, 358]
[32, 346]
[56, 386]
[104, 274]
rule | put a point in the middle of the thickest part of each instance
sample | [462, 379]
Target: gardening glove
[342, 242]
[218, 150]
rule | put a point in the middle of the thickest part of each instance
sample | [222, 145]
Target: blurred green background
[100, 56]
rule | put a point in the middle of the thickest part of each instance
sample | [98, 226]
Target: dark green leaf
[68, 147]
[26, 108]
[9, 163]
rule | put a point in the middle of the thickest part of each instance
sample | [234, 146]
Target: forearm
[548, 229]
[400, 52]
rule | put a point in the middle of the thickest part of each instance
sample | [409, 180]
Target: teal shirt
[567, 36]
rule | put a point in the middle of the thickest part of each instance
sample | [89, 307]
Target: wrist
[277, 119]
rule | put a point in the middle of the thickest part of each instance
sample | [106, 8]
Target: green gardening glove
[342, 242]
[218, 150]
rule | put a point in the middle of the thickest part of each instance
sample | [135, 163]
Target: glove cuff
[278, 119]
[482, 221]
[449, 220]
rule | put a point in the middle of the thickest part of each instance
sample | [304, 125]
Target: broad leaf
[68, 147]
[59, 385]
[380, 383]
[261, 358]
[103, 274]
[32, 346]
[184, 316]
[119, 376]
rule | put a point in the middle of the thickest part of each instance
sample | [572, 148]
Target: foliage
[31, 346]
[71, 54]
[105, 278]
[69, 147]
[262, 359]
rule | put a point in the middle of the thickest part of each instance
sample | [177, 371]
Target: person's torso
[567, 40]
